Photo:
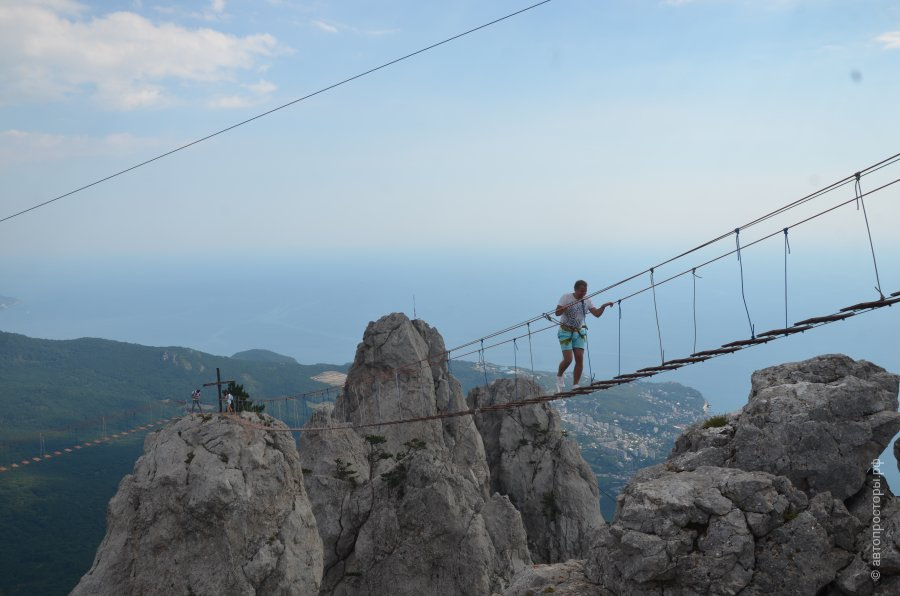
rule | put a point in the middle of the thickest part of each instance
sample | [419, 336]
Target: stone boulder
[876, 566]
[820, 423]
[406, 508]
[212, 507]
[713, 531]
[777, 498]
[541, 471]
[558, 579]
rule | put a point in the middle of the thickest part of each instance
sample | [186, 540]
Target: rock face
[782, 497]
[560, 579]
[212, 507]
[540, 470]
[776, 499]
[713, 531]
[820, 423]
[407, 508]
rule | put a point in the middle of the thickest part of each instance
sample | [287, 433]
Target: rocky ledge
[778, 498]
[212, 507]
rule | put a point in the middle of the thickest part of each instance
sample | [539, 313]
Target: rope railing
[601, 385]
[413, 367]
[76, 447]
[450, 353]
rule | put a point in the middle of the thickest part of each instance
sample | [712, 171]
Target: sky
[469, 185]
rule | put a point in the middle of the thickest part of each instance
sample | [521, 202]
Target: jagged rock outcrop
[212, 507]
[777, 499]
[782, 498]
[877, 541]
[712, 531]
[559, 579]
[820, 422]
[541, 471]
[406, 508]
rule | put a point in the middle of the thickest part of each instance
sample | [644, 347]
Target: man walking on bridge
[572, 309]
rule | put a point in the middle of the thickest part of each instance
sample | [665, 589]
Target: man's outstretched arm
[599, 311]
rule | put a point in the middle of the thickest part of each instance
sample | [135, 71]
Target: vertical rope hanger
[484, 368]
[619, 304]
[737, 239]
[861, 201]
[530, 352]
[662, 354]
[787, 250]
[515, 370]
[694, 278]
[587, 342]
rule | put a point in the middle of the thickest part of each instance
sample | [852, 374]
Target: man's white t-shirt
[574, 314]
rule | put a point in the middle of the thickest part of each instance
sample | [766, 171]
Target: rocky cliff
[445, 505]
[540, 470]
[778, 498]
[212, 507]
[225, 505]
[783, 497]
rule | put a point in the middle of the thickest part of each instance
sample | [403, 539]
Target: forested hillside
[76, 389]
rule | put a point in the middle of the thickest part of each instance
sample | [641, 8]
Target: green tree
[242, 401]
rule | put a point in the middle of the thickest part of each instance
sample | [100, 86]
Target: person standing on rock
[229, 401]
[572, 308]
[195, 401]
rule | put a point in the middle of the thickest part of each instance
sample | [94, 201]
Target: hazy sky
[603, 125]
[580, 139]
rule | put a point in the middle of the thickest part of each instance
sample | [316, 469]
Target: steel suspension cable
[787, 250]
[530, 351]
[764, 238]
[594, 387]
[281, 107]
[619, 308]
[662, 354]
[694, 277]
[516, 370]
[821, 192]
[737, 240]
[884, 163]
[827, 189]
[862, 201]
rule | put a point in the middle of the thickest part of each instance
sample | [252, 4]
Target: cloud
[890, 40]
[18, 146]
[333, 27]
[380, 32]
[258, 93]
[230, 102]
[262, 87]
[121, 60]
[323, 26]
[218, 6]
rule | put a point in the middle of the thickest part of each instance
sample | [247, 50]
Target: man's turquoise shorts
[569, 340]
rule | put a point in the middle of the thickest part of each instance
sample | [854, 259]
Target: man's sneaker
[560, 385]
[576, 386]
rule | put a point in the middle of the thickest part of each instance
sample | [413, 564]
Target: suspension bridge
[540, 323]
[829, 201]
